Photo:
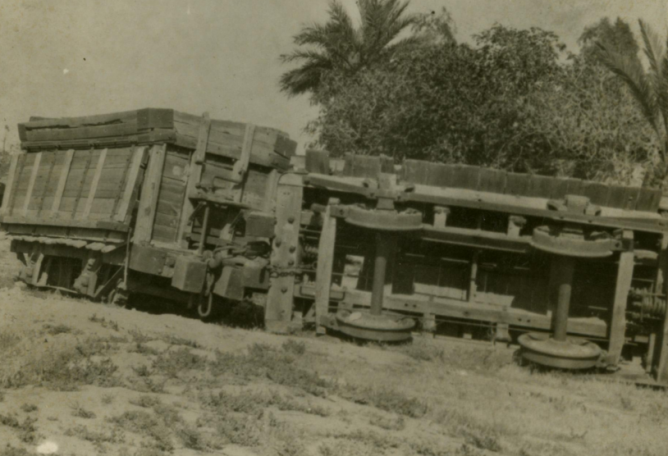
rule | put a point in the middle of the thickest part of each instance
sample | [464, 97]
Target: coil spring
[649, 303]
[309, 251]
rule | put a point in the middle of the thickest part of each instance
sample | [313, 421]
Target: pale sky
[80, 57]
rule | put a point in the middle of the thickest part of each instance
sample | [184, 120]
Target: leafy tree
[649, 88]
[339, 46]
[516, 101]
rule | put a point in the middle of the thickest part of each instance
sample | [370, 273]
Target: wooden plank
[325, 266]
[648, 199]
[492, 180]
[622, 288]
[241, 166]
[130, 183]
[93, 185]
[74, 122]
[195, 173]
[31, 183]
[66, 134]
[9, 188]
[46, 188]
[149, 195]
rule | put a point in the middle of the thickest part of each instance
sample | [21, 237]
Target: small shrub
[485, 439]
[138, 337]
[146, 401]
[389, 424]
[83, 433]
[388, 400]
[104, 322]
[58, 329]
[80, 412]
[107, 399]
[174, 340]
[143, 349]
[10, 450]
[8, 340]
[294, 347]
[143, 423]
[27, 431]
[142, 370]
[175, 362]
[28, 408]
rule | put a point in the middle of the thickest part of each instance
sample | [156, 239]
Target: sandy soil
[79, 378]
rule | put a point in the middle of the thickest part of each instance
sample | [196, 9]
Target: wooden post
[618, 320]
[67, 162]
[11, 178]
[662, 367]
[441, 216]
[130, 183]
[194, 175]
[94, 183]
[31, 183]
[278, 312]
[473, 277]
[323, 280]
[149, 195]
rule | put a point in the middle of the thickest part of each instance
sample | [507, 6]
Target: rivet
[291, 262]
[291, 219]
[284, 289]
[292, 249]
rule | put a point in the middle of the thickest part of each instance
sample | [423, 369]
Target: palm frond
[631, 72]
[307, 77]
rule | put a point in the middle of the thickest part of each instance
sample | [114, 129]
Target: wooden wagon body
[210, 213]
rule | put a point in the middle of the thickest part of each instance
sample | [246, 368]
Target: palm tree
[649, 87]
[339, 45]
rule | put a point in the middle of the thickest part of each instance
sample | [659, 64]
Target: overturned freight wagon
[210, 213]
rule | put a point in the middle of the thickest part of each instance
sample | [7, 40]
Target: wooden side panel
[71, 188]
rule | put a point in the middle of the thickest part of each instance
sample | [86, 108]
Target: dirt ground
[80, 378]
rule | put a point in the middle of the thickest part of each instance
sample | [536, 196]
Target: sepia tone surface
[85, 378]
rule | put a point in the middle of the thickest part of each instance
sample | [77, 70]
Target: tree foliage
[339, 46]
[514, 100]
[649, 88]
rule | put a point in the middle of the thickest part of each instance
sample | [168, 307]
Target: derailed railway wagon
[211, 214]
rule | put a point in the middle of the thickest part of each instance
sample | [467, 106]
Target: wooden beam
[130, 183]
[149, 195]
[31, 183]
[618, 321]
[94, 183]
[278, 311]
[194, 174]
[662, 367]
[325, 265]
[11, 178]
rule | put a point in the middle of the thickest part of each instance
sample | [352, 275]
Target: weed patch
[104, 322]
[29, 408]
[26, 430]
[80, 412]
[57, 329]
[174, 362]
[294, 347]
